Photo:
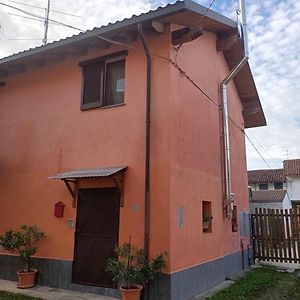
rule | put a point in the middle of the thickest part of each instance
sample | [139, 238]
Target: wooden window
[278, 185]
[263, 186]
[234, 220]
[114, 83]
[92, 85]
[103, 82]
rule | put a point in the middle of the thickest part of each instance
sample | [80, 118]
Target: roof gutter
[147, 142]
[228, 194]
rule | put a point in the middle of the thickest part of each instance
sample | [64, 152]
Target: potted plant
[131, 269]
[23, 243]
[206, 220]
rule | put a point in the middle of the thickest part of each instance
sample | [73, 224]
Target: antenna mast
[46, 24]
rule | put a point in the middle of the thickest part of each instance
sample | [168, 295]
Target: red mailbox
[59, 208]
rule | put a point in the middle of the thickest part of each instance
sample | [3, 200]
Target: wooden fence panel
[276, 235]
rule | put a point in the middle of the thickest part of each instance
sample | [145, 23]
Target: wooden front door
[96, 235]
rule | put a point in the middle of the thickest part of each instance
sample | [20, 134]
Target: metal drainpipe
[147, 154]
[224, 83]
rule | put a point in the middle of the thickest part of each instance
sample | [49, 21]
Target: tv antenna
[46, 20]
[46, 24]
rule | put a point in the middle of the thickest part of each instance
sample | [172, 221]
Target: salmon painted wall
[196, 157]
[43, 132]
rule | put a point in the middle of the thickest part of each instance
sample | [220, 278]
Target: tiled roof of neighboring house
[268, 196]
[265, 176]
[291, 167]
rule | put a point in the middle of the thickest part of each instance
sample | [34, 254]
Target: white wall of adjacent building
[293, 187]
[255, 186]
[285, 204]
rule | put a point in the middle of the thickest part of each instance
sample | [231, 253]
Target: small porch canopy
[116, 173]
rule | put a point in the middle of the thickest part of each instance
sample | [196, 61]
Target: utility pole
[46, 24]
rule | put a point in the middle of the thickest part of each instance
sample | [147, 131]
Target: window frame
[101, 61]
[265, 185]
[276, 185]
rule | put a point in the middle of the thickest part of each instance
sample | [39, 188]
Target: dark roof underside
[186, 13]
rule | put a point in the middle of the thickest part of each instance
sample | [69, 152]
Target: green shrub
[23, 242]
[131, 265]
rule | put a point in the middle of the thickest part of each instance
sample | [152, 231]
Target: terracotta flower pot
[26, 279]
[131, 294]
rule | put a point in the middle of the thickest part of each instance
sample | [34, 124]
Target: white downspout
[224, 83]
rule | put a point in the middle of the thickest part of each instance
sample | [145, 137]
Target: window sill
[114, 105]
[83, 108]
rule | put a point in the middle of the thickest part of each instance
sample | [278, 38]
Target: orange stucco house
[76, 127]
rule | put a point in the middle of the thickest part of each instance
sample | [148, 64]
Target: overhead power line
[34, 19]
[43, 8]
[209, 7]
[45, 19]
[257, 150]
[261, 146]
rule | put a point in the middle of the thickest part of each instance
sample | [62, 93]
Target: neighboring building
[287, 178]
[272, 199]
[268, 179]
[291, 170]
[75, 110]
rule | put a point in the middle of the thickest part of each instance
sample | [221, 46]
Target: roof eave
[252, 110]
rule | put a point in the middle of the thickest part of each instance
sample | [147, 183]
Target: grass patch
[262, 283]
[13, 296]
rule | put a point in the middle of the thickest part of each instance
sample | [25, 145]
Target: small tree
[132, 266]
[23, 242]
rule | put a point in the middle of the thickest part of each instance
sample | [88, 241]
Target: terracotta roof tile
[265, 176]
[268, 196]
[291, 167]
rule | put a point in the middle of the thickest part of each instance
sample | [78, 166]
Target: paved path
[45, 292]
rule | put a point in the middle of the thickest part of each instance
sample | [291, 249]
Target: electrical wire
[40, 17]
[208, 8]
[34, 19]
[251, 142]
[43, 8]
[261, 146]
[257, 150]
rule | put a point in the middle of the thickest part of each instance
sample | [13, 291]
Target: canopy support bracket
[119, 182]
[72, 191]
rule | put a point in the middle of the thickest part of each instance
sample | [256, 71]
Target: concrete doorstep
[46, 292]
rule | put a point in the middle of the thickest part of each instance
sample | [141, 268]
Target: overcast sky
[274, 41]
